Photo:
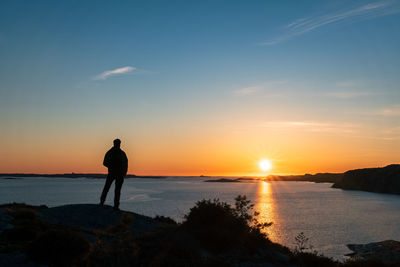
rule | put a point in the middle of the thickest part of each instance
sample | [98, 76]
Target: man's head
[117, 143]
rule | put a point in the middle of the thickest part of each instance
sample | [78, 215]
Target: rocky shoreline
[387, 251]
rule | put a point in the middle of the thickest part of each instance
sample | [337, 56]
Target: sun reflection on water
[266, 206]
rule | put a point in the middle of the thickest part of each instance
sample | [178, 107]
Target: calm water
[331, 218]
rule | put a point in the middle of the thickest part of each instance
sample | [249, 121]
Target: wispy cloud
[247, 90]
[390, 111]
[348, 94]
[342, 90]
[104, 75]
[349, 84]
[313, 126]
[348, 89]
[366, 11]
[392, 133]
[271, 86]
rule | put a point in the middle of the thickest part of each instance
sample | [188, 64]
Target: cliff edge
[379, 180]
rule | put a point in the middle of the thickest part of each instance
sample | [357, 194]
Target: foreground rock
[379, 180]
[94, 235]
[62, 236]
[386, 251]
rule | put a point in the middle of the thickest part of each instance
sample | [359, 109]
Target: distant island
[316, 178]
[76, 175]
[379, 180]
[236, 180]
[223, 180]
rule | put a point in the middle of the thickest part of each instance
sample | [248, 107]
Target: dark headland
[379, 180]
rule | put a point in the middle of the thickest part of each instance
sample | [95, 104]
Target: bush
[366, 263]
[305, 257]
[219, 227]
[21, 233]
[27, 225]
[164, 219]
[58, 248]
[301, 243]
[314, 260]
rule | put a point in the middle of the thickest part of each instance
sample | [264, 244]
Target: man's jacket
[116, 161]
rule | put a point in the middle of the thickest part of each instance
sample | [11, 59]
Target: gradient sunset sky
[199, 87]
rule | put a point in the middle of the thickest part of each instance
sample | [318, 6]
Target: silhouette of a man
[117, 163]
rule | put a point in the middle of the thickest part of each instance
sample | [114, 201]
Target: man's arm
[125, 163]
[106, 161]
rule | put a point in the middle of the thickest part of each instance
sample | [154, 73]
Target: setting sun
[265, 165]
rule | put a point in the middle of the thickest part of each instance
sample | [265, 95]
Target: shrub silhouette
[313, 259]
[302, 243]
[219, 226]
[58, 248]
[27, 225]
[165, 219]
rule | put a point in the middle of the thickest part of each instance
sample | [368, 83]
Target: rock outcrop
[380, 180]
[94, 235]
[386, 251]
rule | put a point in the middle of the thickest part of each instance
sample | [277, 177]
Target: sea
[330, 218]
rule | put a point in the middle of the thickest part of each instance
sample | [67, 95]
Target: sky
[199, 87]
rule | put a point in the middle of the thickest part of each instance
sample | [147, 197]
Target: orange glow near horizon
[191, 152]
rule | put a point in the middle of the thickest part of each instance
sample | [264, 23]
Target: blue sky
[137, 68]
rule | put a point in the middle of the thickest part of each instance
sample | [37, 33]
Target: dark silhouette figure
[117, 163]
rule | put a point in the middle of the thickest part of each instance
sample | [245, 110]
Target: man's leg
[117, 194]
[107, 185]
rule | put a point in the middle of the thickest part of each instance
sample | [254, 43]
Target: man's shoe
[116, 209]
